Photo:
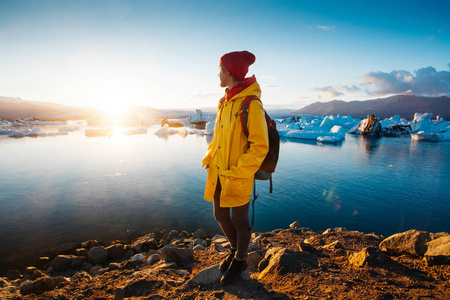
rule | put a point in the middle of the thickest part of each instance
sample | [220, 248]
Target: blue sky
[164, 54]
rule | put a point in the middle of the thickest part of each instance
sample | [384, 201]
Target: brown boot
[234, 271]
[225, 264]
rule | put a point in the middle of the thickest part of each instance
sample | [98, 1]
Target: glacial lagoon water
[70, 188]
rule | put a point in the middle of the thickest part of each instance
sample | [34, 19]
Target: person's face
[224, 77]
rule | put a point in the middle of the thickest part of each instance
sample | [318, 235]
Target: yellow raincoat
[233, 157]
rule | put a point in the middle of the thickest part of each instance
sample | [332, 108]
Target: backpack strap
[244, 119]
[244, 112]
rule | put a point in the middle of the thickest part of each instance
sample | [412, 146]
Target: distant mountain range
[403, 105]
[16, 108]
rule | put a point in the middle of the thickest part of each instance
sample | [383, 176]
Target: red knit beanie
[237, 63]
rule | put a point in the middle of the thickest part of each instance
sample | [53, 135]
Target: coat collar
[230, 93]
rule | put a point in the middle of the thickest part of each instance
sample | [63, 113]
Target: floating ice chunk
[336, 134]
[68, 128]
[424, 129]
[395, 119]
[37, 122]
[6, 131]
[425, 136]
[136, 131]
[328, 122]
[303, 134]
[24, 133]
[329, 139]
[97, 132]
[165, 131]
[422, 122]
[210, 127]
[198, 116]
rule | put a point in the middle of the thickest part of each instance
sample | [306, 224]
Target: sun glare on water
[115, 111]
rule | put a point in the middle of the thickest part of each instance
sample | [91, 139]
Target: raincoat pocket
[233, 187]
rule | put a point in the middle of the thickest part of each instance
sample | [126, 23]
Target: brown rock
[211, 275]
[12, 274]
[172, 253]
[295, 225]
[62, 262]
[37, 274]
[144, 243]
[8, 291]
[136, 288]
[200, 234]
[307, 247]
[98, 255]
[334, 245]
[438, 252]
[91, 243]
[411, 242]
[284, 261]
[78, 262]
[68, 248]
[370, 256]
[116, 251]
[29, 270]
[253, 259]
[38, 286]
[81, 252]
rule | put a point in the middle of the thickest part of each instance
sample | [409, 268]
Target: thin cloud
[326, 28]
[425, 82]
[441, 30]
[270, 77]
[328, 92]
[349, 89]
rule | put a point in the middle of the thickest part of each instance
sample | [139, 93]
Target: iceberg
[425, 129]
[210, 127]
[424, 136]
[328, 129]
[31, 133]
[165, 131]
[336, 134]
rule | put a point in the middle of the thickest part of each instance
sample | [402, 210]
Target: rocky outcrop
[282, 264]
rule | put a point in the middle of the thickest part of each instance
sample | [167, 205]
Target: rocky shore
[293, 263]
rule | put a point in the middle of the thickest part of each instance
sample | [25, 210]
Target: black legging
[234, 223]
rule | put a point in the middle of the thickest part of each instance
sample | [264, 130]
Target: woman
[232, 158]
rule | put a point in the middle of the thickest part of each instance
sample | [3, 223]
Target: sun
[115, 110]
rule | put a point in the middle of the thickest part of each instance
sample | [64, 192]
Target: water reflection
[368, 144]
[208, 138]
[74, 189]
